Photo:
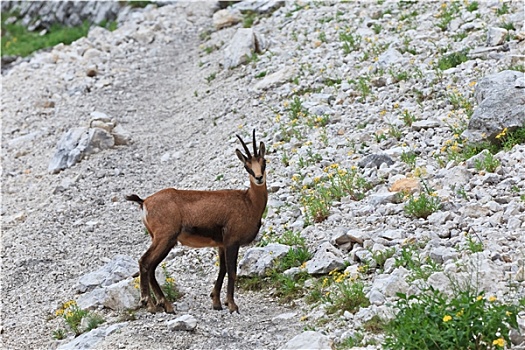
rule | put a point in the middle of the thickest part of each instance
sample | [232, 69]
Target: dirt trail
[50, 238]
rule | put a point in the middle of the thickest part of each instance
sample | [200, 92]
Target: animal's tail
[135, 198]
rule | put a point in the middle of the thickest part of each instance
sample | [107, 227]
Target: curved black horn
[244, 146]
[254, 144]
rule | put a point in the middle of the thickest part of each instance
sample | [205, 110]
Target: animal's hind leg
[144, 272]
[163, 247]
[216, 293]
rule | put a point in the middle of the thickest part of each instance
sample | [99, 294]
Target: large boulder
[226, 18]
[118, 269]
[183, 323]
[327, 258]
[243, 45]
[90, 339]
[258, 6]
[258, 260]
[76, 143]
[103, 133]
[310, 340]
[500, 98]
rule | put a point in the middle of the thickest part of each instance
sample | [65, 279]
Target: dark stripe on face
[250, 171]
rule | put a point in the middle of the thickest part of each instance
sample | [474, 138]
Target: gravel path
[50, 239]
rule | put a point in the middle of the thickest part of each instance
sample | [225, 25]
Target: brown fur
[226, 219]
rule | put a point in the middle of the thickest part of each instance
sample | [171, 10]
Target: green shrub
[73, 316]
[249, 18]
[423, 205]
[432, 321]
[507, 139]
[420, 268]
[346, 296]
[452, 60]
[337, 184]
[487, 163]
[409, 158]
[169, 287]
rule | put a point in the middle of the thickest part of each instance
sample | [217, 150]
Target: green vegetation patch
[468, 320]
[17, 40]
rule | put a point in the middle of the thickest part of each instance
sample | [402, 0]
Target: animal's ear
[241, 156]
[262, 150]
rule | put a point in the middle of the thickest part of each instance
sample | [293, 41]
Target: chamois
[226, 219]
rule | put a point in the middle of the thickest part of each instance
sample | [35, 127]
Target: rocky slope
[353, 71]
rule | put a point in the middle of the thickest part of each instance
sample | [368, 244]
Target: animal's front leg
[232, 253]
[216, 293]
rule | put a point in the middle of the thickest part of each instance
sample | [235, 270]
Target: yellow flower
[502, 133]
[479, 297]
[492, 298]
[508, 313]
[304, 318]
[447, 318]
[303, 265]
[68, 304]
[460, 313]
[170, 280]
[325, 282]
[383, 112]
[472, 83]
[455, 148]
[499, 342]
[396, 105]
[59, 312]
